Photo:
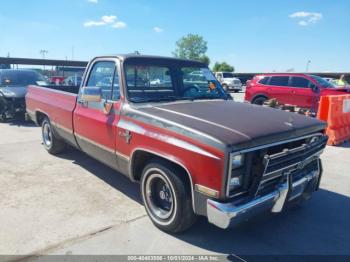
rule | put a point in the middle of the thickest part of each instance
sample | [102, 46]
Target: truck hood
[238, 125]
[14, 91]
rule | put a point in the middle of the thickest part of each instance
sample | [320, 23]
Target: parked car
[229, 82]
[72, 81]
[193, 150]
[13, 87]
[57, 80]
[301, 90]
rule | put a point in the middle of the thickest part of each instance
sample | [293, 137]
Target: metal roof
[31, 61]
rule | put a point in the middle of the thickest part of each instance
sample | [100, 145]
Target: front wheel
[52, 143]
[259, 100]
[166, 197]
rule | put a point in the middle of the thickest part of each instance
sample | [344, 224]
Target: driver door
[302, 93]
[95, 122]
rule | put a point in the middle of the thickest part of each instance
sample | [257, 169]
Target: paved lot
[72, 204]
[238, 97]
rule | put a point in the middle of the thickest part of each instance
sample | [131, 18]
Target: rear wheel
[166, 197]
[259, 100]
[52, 143]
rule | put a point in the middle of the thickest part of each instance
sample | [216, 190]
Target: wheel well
[40, 117]
[258, 96]
[140, 159]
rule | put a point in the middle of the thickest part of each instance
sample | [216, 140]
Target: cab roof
[137, 57]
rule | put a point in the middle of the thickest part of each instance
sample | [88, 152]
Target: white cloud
[93, 23]
[119, 25]
[93, 1]
[306, 17]
[106, 20]
[303, 23]
[158, 29]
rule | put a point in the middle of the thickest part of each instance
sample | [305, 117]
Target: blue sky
[251, 35]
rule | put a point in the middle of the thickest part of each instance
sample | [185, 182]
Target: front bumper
[10, 106]
[225, 215]
[235, 87]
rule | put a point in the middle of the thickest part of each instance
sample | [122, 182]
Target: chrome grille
[297, 162]
[267, 166]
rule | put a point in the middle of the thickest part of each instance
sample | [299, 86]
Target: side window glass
[300, 82]
[101, 76]
[279, 81]
[264, 80]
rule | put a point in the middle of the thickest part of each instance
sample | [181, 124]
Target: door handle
[82, 103]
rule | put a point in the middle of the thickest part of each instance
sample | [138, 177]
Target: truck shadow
[345, 145]
[103, 172]
[319, 226]
[20, 122]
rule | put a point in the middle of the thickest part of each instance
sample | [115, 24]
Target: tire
[2, 118]
[52, 143]
[166, 197]
[259, 100]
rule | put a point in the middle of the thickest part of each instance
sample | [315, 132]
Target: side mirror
[314, 88]
[91, 94]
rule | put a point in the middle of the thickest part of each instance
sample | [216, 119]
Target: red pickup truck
[193, 150]
[301, 90]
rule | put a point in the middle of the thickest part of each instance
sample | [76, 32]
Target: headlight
[237, 161]
[236, 174]
[235, 182]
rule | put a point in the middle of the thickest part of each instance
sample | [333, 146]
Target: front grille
[297, 162]
[290, 158]
[266, 168]
[268, 185]
[236, 82]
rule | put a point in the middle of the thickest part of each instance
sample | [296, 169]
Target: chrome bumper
[224, 214]
[235, 87]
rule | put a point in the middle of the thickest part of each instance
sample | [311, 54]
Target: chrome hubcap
[47, 135]
[159, 196]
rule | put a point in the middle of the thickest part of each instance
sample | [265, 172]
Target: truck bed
[56, 102]
[68, 89]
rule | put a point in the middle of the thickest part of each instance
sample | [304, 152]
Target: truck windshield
[227, 75]
[323, 82]
[168, 83]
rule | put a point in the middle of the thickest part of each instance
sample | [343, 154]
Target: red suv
[301, 90]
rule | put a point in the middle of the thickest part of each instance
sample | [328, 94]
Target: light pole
[43, 52]
[307, 65]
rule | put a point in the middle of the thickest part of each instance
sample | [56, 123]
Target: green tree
[204, 59]
[192, 47]
[223, 67]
